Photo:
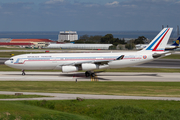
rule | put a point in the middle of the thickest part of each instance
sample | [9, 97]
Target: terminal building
[67, 35]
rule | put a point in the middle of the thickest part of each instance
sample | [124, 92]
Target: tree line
[109, 39]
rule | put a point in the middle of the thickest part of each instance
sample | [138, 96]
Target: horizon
[88, 15]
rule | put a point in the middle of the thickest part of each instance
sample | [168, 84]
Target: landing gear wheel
[87, 73]
[23, 73]
[92, 74]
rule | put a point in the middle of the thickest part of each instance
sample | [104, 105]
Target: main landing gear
[89, 73]
[23, 73]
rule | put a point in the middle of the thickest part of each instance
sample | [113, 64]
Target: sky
[88, 15]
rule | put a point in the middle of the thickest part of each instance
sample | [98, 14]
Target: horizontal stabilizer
[120, 57]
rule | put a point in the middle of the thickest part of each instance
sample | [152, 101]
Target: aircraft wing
[99, 62]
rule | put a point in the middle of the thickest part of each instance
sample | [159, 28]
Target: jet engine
[69, 69]
[89, 66]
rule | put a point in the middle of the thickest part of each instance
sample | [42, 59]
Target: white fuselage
[54, 61]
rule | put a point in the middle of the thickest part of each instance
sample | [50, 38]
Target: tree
[140, 40]
[130, 45]
[95, 39]
[108, 38]
[122, 41]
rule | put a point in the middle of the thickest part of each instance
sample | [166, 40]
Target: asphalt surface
[60, 96]
[104, 76]
[162, 63]
[2, 60]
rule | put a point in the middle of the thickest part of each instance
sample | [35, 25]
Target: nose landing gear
[23, 73]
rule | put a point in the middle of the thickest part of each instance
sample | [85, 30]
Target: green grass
[6, 68]
[90, 110]
[12, 48]
[168, 89]
[20, 96]
[8, 54]
[20, 111]
[173, 56]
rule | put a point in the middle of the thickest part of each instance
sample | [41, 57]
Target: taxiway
[104, 76]
[61, 96]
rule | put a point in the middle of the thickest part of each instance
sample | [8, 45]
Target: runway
[79, 76]
[162, 63]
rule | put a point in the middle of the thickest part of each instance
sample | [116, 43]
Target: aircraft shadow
[77, 76]
[128, 75]
[27, 74]
[83, 75]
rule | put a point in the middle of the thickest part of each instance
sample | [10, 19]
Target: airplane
[72, 62]
[168, 46]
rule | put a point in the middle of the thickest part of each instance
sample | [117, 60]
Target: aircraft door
[21, 61]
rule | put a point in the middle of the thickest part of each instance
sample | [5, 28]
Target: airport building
[67, 35]
[80, 46]
[37, 43]
[34, 43]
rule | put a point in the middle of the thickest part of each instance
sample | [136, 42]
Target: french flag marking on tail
[160, 41]
[156, 47]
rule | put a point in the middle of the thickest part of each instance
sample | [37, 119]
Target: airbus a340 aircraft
[71, 62]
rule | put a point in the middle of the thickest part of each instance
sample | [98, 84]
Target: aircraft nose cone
[7, 62]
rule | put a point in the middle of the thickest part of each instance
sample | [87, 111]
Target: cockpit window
[11, 59]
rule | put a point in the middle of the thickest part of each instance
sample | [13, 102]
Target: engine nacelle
[69, 69]
[89, 66]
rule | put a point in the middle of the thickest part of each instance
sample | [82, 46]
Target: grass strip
[11, 110]
[167, 89]
[21, 96]
[172, 56]
[8, 54]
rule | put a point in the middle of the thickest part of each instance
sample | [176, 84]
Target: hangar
[80, 46]
[38, 43]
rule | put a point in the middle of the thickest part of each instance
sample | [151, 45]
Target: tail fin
[177, 42]
[160, 41]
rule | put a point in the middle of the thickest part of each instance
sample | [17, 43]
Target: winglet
[120, 57]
